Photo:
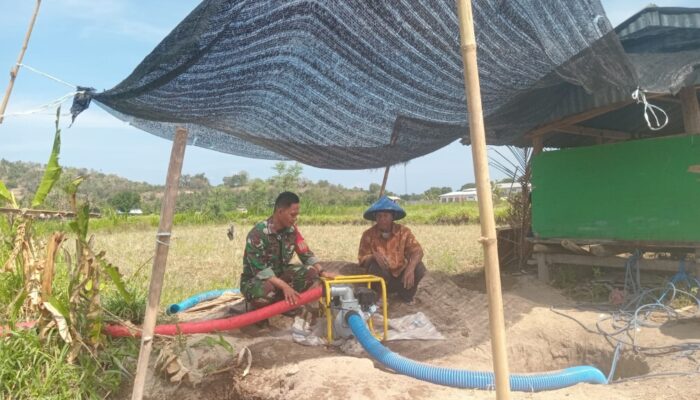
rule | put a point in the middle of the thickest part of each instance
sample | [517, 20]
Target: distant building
[135, 211]
[506, 190]
[456, 197]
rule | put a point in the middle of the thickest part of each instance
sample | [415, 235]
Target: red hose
[224, 324]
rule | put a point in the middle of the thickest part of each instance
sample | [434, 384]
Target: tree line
[238, 191]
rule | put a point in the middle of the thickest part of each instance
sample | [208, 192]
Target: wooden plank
[595, 132]
[668, 99]
[615, 262]
[546, 248]
[625, 243]
[584, 116]
[573, 247]
[603, 250]
[576, 118]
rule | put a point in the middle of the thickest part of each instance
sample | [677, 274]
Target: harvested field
[538, 339]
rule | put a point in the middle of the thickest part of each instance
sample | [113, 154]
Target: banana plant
[53, 171]
[21, 227]
[77, 313]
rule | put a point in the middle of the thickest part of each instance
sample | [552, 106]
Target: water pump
[343, 294]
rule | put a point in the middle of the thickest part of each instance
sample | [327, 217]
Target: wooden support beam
[640, 244]
[605, 250]
[576, 118]
[537, 144]
[586, 115]
[172, 181]
[668, 99]
[615, 262]
[489, 240]
[691, 109]
[595, 132]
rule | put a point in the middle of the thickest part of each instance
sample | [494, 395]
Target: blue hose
[468, 379]
[196, 299]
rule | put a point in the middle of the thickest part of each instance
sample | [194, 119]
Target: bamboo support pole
[177, 156]
[15, 69]
[483, 188]
[392, 141]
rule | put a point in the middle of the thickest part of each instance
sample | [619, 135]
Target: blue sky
[99, 42]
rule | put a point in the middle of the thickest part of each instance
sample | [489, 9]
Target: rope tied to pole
[163, 234]
[485, 240]
[650, 109]
[46, 75]
[51, 104]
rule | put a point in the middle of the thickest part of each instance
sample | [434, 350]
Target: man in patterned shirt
[267, 275]
[390, 250]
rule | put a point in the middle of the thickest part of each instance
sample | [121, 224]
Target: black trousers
[394, 284]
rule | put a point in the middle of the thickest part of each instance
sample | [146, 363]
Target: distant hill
[196, 192]
[23, 178]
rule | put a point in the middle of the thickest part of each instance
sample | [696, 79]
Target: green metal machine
[642, 191]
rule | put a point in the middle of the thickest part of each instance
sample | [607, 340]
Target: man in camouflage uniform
[267, 275]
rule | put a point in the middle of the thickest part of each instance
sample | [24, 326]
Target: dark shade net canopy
[326, 83]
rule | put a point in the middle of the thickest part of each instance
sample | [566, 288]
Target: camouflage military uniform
[267, 254]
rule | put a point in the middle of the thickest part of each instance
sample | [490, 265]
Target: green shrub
[34, 368]
[130, 309]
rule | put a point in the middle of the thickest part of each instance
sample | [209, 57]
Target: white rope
[158, 236]
[47, 75]
[42, 108]
[640, 98]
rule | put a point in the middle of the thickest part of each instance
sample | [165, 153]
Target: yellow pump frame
[351, 279]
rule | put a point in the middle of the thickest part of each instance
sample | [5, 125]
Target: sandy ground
[537, 340]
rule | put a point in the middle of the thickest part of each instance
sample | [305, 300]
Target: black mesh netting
[326, 83]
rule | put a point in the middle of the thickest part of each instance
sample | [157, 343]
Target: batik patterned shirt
[398, 247]
[268, 252]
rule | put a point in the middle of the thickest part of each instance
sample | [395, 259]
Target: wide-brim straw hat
[384, 204]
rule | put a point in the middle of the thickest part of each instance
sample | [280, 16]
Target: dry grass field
[202, 257]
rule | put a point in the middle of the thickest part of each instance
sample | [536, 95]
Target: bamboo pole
[15, 69]
[483, 188]
[177, 156]
[392, 141]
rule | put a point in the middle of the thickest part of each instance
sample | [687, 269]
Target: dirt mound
[538, 340]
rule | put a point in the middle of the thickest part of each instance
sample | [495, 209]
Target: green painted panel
[642, 190]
